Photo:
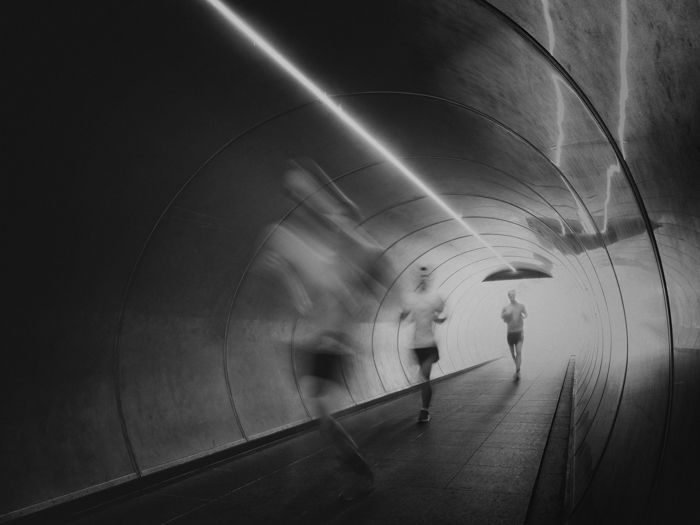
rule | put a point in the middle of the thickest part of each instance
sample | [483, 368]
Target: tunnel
[147, 148]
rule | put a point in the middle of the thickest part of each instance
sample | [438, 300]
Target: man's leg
[426, 390]
[327, 368]
[513, 354]
[349, 456]
[518, 355]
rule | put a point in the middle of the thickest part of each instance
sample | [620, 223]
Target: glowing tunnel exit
[238, 23]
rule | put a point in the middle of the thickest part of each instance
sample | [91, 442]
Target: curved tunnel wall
[254, 319]
[191, 330]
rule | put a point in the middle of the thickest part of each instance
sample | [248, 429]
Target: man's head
[307, 183]
[423, 277]
[327, 207]
[511, 295]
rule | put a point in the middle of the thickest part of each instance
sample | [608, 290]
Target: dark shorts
[324, 358]
[326, 365]
[429, 353]
[514, 338]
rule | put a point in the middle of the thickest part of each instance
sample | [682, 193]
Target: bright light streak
[560, 120]
[557, 86]
[560, 97]
[612, 171]
[624, 86]
[349, 121]
[550, 26]
[561, 108]
[624, 94]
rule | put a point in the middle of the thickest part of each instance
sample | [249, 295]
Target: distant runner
[513, 315]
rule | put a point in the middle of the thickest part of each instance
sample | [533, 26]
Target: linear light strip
[353, 124]
[624, 85]
[586, 221]
[560, 97]
[614, 169]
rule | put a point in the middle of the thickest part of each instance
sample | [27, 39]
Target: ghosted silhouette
[331, 269]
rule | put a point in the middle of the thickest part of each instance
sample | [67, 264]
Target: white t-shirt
[513, 314]
[424, 308]
[324, 281]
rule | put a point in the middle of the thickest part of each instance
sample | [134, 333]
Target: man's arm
[440, 314]
[274, 263]
[405, 309]
[524, 313]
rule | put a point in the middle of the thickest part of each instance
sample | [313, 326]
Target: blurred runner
[331, 268]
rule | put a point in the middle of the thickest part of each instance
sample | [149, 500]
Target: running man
[331, 268]
[425, 308]
[513, 315]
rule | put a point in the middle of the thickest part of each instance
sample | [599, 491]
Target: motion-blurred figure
[331, 269]
[513, 315]
[424, 307]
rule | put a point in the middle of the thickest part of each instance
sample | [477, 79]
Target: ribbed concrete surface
[477, 459]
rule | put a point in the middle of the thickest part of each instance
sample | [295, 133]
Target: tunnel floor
[477, 460]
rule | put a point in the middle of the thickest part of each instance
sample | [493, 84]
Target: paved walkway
[475, 462]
